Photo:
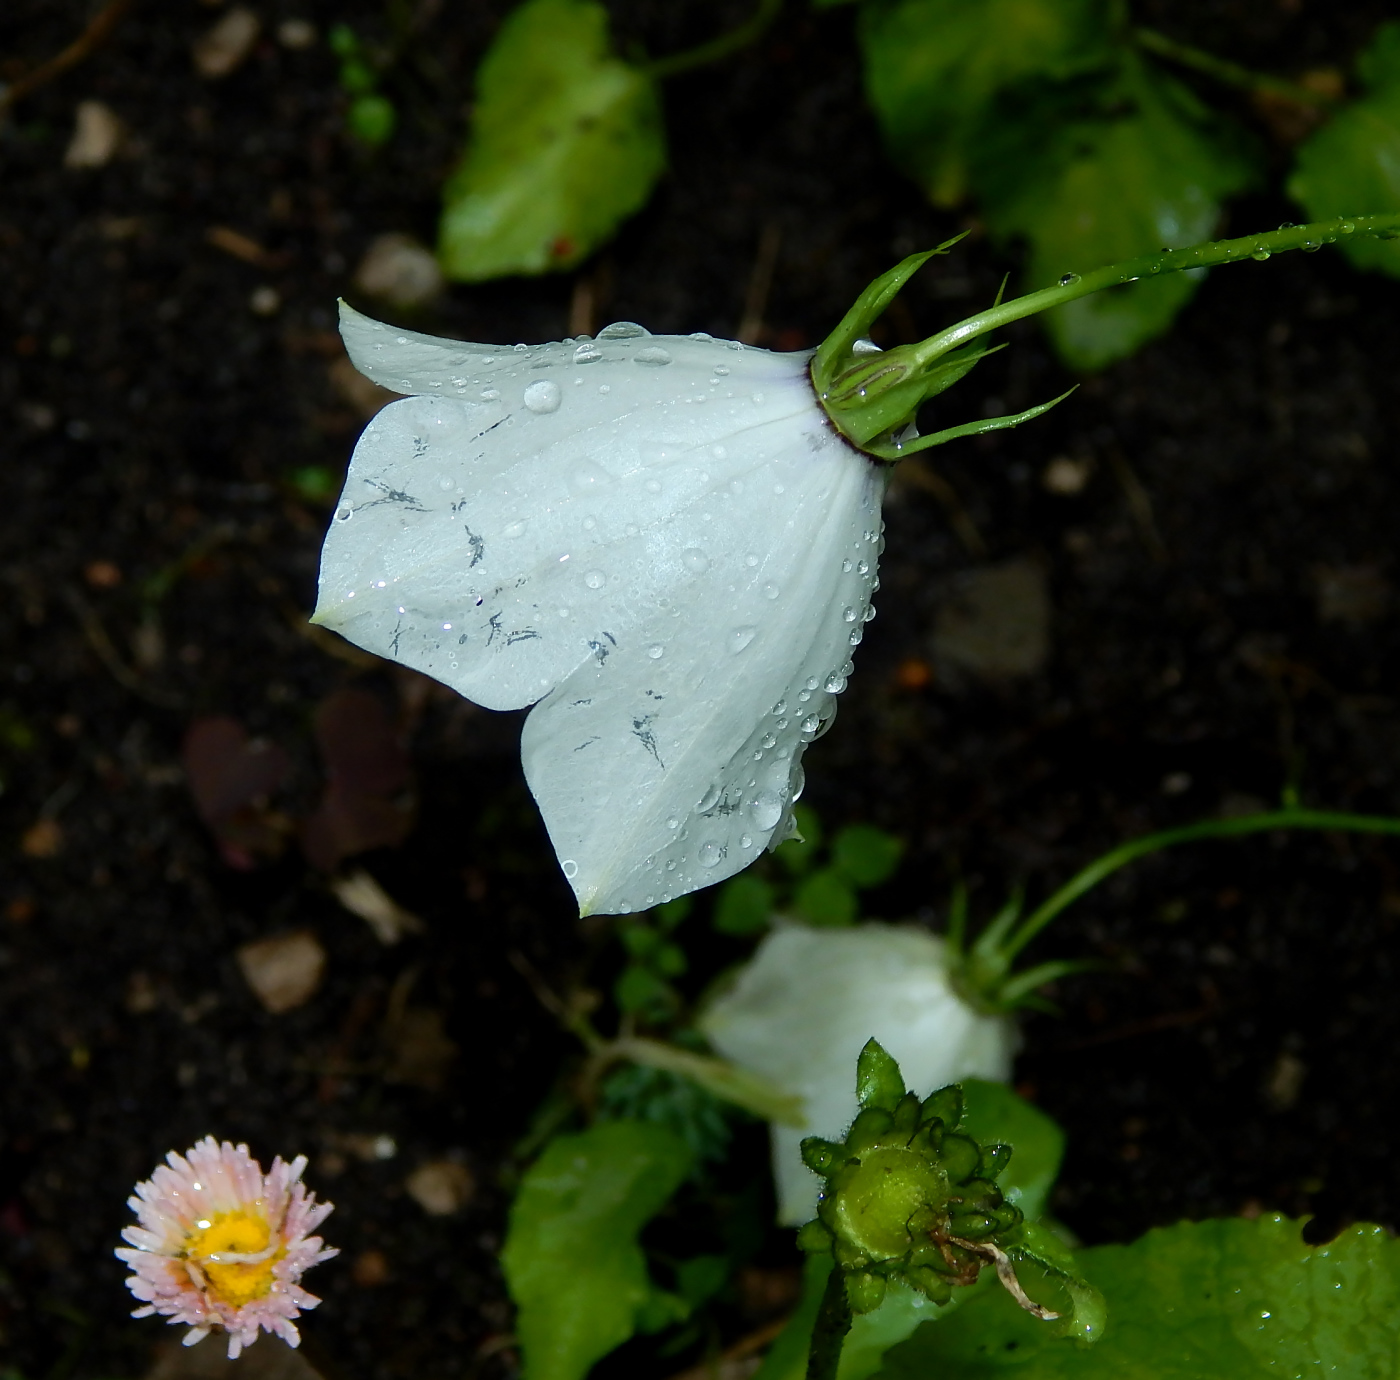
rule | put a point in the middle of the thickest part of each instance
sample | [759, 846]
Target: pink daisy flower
[221, 1245]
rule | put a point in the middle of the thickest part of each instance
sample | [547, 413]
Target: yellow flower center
[232, 1249]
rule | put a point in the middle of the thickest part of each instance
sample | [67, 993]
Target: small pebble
[398, 270]
[296, 34]
[283, 971]
[97, 135]
[265, 301]
[441, 1187]
[223, 48]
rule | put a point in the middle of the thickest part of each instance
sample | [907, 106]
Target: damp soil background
[1220, 619]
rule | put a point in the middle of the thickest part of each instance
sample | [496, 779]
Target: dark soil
[1238, 1051]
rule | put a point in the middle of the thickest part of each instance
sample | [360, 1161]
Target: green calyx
[873, 396]
[910, 1197]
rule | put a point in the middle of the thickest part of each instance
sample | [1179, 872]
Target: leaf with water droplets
[667, 581]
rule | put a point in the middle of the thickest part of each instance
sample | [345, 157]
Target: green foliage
[566, 142]
[644, 988]
[1143, 168]
[634, 1092]
[821, 893]
[371, 117]
[934, 68]
[1196, 1301]
[575, 1270]
[1351, 165]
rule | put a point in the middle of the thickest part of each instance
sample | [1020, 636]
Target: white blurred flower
[220, 1245]
[801, 1010]
[661, 539]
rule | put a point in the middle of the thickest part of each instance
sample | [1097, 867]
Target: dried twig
[82, 47]
[1006, 1273]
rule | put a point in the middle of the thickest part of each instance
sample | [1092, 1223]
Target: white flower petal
[800, 1011]
[661, 538]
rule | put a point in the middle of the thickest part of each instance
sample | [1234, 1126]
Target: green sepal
[879, 1082]
[821, 1156]
[898, 450]
[814, 1238]
[929, 1283]
[870, 1125]
[906, 1114]
[960, 1156]
[865, 1292]
[838, 349]
[994, 1159]
[946, 1105]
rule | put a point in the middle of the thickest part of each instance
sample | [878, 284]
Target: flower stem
[1074, 286]
[1223, 70]
[829, 1331]
[1089, 877]
[717, 48]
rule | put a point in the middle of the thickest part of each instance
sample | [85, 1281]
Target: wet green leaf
[865, 855]
[571, 1258]
[1197, 1301]
[992, 1114]
[566, 142]
[1145, 169]
[1351, 166]
[933, 68]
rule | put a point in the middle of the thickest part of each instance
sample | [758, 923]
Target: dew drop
[622, 330]
[856, 635]
[740, 638]
[653, 486]
[490, 394]
[710, 854]
[846, 567]
[1260, 254]
[653, 354]
[766, 809]
[595, 579]
[771, 591]
[589, 523]
[868, 614]
[344, 514]
[673, 823]
[835, 683]
[515, 529]
[543, 396]
[695, 560]
[745, 841]
[569, 868]
[751, 560]
[722, 370]
[811, 723]
[862, 567]
[799, 782]
[758, 397]
[849, 614]
[1069, 279]
[709, 800]
[656, 651]
[718, 452]
[587, 353]
[768, 741]
[780, 707]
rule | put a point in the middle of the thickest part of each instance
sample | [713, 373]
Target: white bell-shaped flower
[801, 1010]
[662, 540]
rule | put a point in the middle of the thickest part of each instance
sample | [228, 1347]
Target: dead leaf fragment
[223, 48]
[421, 1052]
[285, 970]
[97, 135]
[361, 895]
[231, 777]
[441, 1187]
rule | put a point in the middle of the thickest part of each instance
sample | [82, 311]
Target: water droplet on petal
[656, 651]
[868, 614]
[856, 635]
[709, 800]
[515, 529]
[653, 486]
[543, 396]
[653, 354]
[799, 782]
[845, 567]
[835, 684]
[622, 330]
[695, 560]
[344, 514]
[780, 707]
[745, 841]
[569, 868]
[766, 809]
[595, 579]
[771, 591]
[811, 723]
[751, 560]
[723, 369]
[710, 853]
[740, 638]
[587, 353]
[673, 823]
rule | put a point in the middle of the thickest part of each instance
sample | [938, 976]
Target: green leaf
[744, 905]
[993, 1113]
[865, 855]
[1197, 1301]
[566, 142]
[825, 898]
[571, 1258]
[701, 1277]
[934, 67]
[1146, 170]
[1351, 166]
[640, 991]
